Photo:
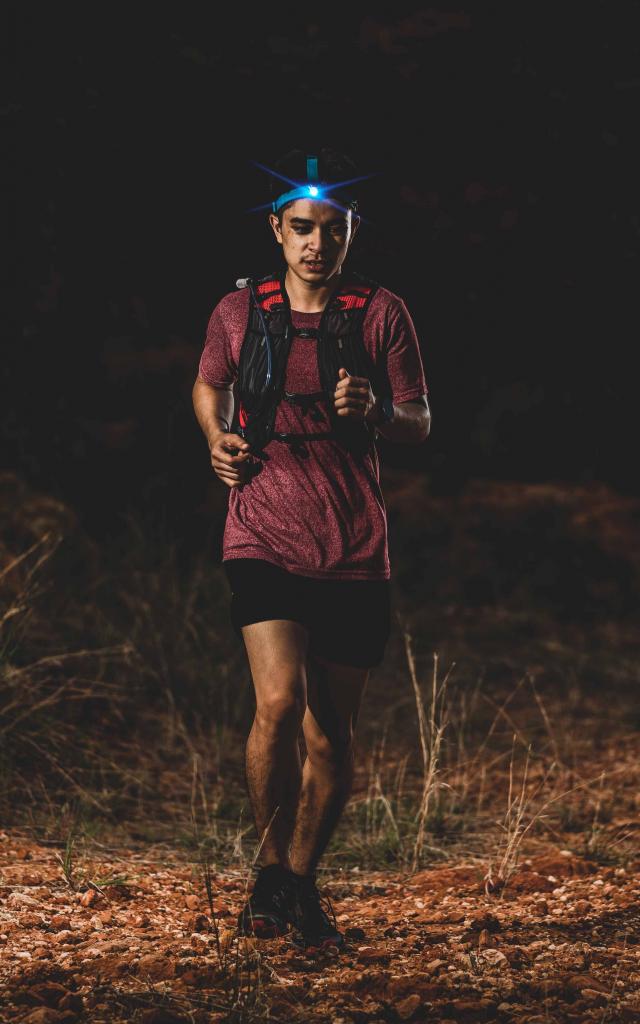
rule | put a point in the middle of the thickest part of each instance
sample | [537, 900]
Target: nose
[318, 242]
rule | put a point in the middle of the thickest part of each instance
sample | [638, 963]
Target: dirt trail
[560, 944]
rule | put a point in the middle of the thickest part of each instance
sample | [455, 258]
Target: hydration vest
[338, 343]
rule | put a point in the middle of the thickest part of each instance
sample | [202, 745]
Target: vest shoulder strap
[269, 292]
[354, 293]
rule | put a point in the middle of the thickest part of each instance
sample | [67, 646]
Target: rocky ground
[136, 941]
[529, 591]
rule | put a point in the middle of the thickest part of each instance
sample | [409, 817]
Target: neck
[307, 297]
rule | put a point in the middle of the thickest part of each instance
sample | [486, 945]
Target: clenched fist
[353, 396]
[230, 458]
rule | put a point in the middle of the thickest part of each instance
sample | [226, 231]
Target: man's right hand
[233, 469]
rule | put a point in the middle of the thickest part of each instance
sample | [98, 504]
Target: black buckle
[307, 402]
[281, 435]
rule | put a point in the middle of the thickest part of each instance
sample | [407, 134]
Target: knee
[281, 713]
[333, 755]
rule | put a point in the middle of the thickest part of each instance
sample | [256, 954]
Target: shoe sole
[263, 928]
[318, 947]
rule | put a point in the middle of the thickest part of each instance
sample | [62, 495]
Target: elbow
[427, 426]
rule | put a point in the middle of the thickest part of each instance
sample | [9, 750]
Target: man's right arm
[214, 411]
[213, 408]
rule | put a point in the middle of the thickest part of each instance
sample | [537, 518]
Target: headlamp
[311, 189]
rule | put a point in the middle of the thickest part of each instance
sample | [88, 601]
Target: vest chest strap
[303, 398]
[321, 435]
[265, 352]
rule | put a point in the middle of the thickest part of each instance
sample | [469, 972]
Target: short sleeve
[217, 367]
[403, 368]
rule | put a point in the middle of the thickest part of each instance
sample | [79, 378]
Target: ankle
[272, 865]
[307, 876]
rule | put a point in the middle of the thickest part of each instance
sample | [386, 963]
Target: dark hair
[332, 168]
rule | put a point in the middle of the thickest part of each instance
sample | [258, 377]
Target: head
[319, 226]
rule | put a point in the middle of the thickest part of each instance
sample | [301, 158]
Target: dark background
[504, 210]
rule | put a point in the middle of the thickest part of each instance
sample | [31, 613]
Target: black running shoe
[267, 913]
[314, 917]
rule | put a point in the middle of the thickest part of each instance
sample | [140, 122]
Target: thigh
[277, 653]
[349, 621]
[268, 614]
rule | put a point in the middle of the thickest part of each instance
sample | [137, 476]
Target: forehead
[316, 211]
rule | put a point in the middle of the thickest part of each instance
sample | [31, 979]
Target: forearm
[411, 424]
[213, 408]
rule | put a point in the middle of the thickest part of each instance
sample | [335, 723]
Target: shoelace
[314, 905]
[267, 886]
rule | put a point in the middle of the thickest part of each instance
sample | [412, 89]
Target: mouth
[315, 264]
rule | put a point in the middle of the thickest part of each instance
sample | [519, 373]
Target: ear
[355, 224]
[275, 224]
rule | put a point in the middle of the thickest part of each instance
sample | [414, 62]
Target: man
[305, 540]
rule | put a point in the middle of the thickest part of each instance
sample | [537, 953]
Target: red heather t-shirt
[320, 513]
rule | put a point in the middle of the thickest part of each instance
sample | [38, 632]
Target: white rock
[21, 899]
[493, 957]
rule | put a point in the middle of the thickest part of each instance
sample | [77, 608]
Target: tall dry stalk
[204, 860]
[376, 801]
[431, 729]
[512, 827]
[238, 960]
[514, 830]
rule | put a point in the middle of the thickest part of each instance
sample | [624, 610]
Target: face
[315, 237]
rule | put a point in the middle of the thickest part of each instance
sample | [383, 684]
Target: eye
[338, 229]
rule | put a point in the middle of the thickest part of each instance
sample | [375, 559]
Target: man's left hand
[353, 397]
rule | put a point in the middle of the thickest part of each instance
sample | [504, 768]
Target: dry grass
[125, 700]
[139, 729]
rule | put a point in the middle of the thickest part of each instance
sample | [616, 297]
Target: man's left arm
[354, 398]
[401, 374]
[411, 420]
[403, 414]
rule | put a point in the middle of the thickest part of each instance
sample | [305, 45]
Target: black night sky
[504, 210]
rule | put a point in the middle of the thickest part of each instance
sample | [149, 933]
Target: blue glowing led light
[301, 192]
[304, 190]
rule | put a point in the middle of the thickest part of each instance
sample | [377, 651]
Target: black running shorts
[348, 620]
